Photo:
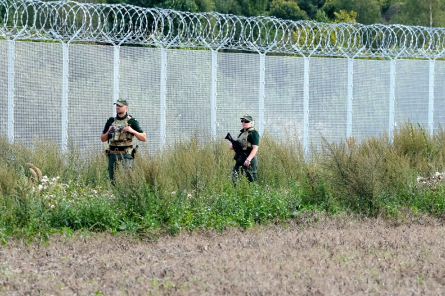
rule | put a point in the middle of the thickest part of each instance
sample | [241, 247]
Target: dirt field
[335, 256]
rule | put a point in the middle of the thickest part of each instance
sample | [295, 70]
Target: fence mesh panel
[90, 93]
[237, 94]
[439, 96]
[412, 91]
[328, 95]
[140, 85]
[370, 98]
[4, 85]
[182, 104]
[188, 94]
[284, 97]
[38, 92]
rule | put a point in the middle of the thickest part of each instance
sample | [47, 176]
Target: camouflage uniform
[247, 139]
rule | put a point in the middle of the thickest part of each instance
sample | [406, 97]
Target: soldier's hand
[128, 129]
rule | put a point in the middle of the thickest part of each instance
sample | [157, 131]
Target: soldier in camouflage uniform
[119, 131]
[249, 140]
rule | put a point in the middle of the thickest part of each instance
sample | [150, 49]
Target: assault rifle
[236, 147]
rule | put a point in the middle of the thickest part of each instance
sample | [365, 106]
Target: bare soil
[333, 256]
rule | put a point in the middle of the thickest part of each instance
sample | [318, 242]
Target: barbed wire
[68, 21]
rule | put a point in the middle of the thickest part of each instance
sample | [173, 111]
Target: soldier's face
[245, 123]
[121, 109]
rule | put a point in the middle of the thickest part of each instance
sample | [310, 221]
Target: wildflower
[173, 192]
[189, 196]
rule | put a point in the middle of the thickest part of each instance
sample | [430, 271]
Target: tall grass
[189, 185]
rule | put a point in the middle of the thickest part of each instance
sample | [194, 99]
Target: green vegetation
[406, 12]
[189, 186]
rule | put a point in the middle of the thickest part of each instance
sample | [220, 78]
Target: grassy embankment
[189, 186]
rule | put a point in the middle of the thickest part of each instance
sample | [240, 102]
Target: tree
[142, 3]
[368, 11]
[181, 5]
[428, 13]
[205, 5]
[329, 9]
[344, 17]
[322, 17]
[253, 7]
[389, 10]
[228, 7]
[287, 9]
[311, 6]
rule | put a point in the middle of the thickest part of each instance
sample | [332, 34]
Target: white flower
[189, 195]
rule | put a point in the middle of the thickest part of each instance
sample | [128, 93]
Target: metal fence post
[261, 93]
[392, 98]
[213, 89]
[306, 75]
[11, 74]
[262, 82]
[116, 62]
[11, 86]
[350, 97]
[431, 97]
[116, 69]
[349, 111]
[163, 98]
[214, 84]
[65, 90]
[163, 91]
[306, 106]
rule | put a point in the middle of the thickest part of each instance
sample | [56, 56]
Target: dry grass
[333, 256]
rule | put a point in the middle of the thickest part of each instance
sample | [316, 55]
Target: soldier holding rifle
[119, 131]
[245, 147]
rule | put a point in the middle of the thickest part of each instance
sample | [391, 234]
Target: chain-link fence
[196, 73]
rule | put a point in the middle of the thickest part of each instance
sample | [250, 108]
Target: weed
[188, 186]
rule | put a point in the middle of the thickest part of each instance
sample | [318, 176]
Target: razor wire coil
[68, 21]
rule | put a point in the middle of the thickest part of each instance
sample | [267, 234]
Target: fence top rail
[67, 21]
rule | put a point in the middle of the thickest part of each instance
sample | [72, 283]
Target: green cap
[121, 102]
[247, 117]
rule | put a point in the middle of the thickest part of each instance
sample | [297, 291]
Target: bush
[188, 185]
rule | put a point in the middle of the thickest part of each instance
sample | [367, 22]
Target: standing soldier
[119, 131]
[249, 140]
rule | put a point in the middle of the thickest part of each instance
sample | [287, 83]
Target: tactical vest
[119, 138]
[242, 138]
